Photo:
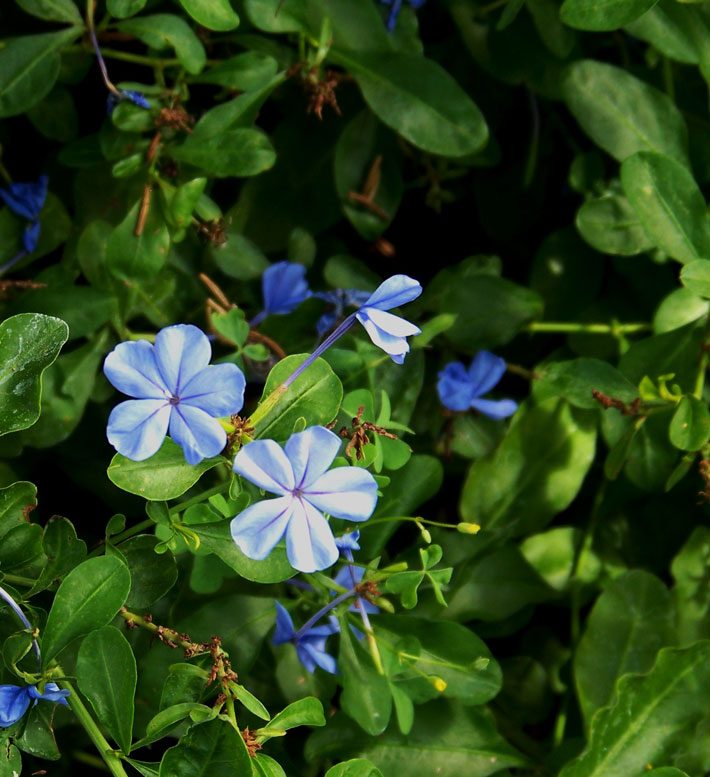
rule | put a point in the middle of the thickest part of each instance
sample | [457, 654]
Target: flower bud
[468, 528]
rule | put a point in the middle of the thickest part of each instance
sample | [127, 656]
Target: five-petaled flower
[26, 200]
[386, 330]
[461, 388]
[15, 700]
[284, 287]
[309, 643]
[174, 389]
[299, 473]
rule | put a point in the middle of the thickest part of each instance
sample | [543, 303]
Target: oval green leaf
[88, 598]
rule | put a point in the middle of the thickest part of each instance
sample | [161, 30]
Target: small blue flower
[15, 700]
[284, 287]
[461, 389]
[395, 7]
[348, 542]
[137, 98]
[310, 644]
[174, 390]
[386, 330]
[340, 299]
[299, 473]
[26, 200]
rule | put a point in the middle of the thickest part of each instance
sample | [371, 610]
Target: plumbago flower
[284, 287]
[461, 388]
[299, 473]
[174, 390]
[15, 700]
[309, 640]
[26, 200]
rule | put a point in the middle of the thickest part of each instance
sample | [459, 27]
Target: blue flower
[174, 390]
[340, 299]
[395, 7]
[26, 200]
[348, 542]
[386, 330]
[299, 474]
[284, 287]
[310, 643]
[15, 700]
[137, 98]
[461, 389]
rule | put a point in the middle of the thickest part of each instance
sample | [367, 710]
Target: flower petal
[393, 292]
[26, 199]
[311, 453]
[131, 368]
[52, 692]
[284, 626]
[14, 702]
[181, 351]
[284, 287]
[199, 435]
[218, 390]
[497, 410]
[30, 237]
[388, 322]
[311, 657]
[346, 492]
[485, 371]
[454, 387]
[136, 428]
[310, 544]
[259, 528]
[396, 347]
[264, 463]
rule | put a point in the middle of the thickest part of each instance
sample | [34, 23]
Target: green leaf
[215, 15]
[152, 574]
[130, 257]
[144, 768]
[696, 277]
[304, 712]
[315, 396]
[244, 72]
[366, 697]
[161, 31]
[16, 503]
[217, 539]
[63, 551]
[107, 676]
[674, 29]
[122, 9]
[264, 766]
[162, 724]
[535, 472]
[691, 593]
[653, 717]
[575, 380]
[418, 99]
[212, 749]
[605, 15]
[166, 475]
[29, 66]
[240, 152]
[690, 425]
[622, 114]
[29, 343]
[447, 740]
[357, 767]
[629, 623]
[53, 10]
[88, 598]
[611, 225]
[669, 205]
[449, 651]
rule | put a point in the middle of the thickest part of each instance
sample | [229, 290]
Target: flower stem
[565, 327]
[108, 754]
[336, 334]
[15, 607]
[323, 611]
